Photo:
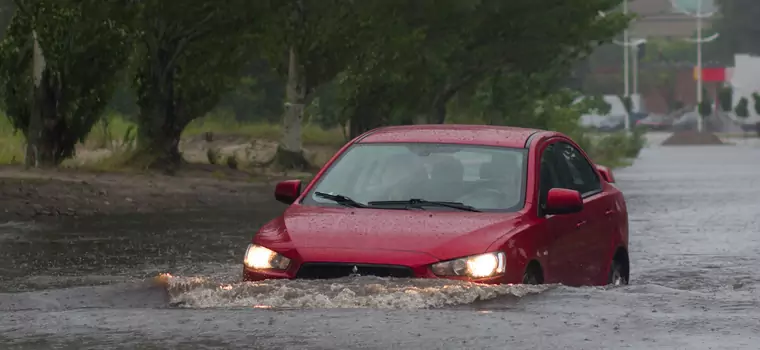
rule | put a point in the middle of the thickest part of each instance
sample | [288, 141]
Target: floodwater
[695, 246]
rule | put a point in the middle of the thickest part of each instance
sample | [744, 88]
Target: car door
[592, 239]
[561, 230]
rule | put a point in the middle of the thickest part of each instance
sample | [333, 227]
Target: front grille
[336, 270]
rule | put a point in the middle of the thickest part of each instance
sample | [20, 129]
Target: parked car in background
[477, 203]
[687, 121]
[655, 122]
[615, 119]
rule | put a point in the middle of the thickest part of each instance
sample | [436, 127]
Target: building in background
[658, 19]
[744, 82]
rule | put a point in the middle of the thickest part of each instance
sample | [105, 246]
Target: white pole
[635, 88]
[700, 122]
[626, 92]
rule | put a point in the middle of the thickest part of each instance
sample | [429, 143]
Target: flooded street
[695, 248]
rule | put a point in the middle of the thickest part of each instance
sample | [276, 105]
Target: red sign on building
[714, 74]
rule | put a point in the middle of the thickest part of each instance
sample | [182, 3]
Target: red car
[485, 204]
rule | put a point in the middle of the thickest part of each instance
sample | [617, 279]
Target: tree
[705, 108]
[738, 27]
[742, 108]
[436, 52]
[189, 54]
[80, 46]
[756, 104]
[7, 9]
[529, 46]
[725, 98]
[310, 43]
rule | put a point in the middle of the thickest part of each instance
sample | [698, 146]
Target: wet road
[695, 246]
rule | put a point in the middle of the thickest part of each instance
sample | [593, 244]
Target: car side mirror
[606, 173]
[563, 201]
[287, 191]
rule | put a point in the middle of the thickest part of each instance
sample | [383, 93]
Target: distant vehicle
[479, 203]
[615, 119]
[687, 121]
[655, 122]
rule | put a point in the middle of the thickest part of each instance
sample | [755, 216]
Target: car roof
[485, 135]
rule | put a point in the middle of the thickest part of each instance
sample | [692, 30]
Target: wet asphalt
[695, 248]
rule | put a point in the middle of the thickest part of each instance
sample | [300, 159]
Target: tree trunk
[49, 140]
[160, 129]
[365, 118]
[438, 110]
[158, 138]
[290, 151]
[34, 132]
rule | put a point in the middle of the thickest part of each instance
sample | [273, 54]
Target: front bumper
[251, 275]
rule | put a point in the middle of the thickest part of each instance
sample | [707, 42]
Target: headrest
[447, 168]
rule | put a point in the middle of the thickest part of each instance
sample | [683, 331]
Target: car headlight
[260, 258]
[476, 266]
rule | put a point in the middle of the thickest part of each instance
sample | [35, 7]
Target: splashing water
[359, 292]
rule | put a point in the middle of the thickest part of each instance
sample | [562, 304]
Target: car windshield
[481, 177]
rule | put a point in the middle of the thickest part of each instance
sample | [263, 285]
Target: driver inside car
[498, 184]
[403, 177]
[446, 180]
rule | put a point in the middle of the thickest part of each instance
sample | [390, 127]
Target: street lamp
[634, 45]
[699, 40]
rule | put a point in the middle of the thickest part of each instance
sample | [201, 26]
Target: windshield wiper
[340, 199]
[418, 203]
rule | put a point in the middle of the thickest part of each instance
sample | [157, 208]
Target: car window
[487, 178]
[548, 178]
[579, 174]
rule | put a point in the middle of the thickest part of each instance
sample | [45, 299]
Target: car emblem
[354, 272]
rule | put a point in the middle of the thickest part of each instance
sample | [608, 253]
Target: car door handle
[580, 224]
[609, 212]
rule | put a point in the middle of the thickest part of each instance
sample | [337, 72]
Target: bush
[11, 143]
[617, 149]
[563, 112]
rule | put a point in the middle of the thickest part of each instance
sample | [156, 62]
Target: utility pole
[699, 40]
[626, 92]
[635, 53]
[634, 45]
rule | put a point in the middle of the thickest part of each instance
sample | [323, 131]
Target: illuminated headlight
[476, 266]
[260, 258]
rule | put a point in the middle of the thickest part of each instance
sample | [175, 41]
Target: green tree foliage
[189, 53]
[85, 43]
[7, 9]
[726, 98]
[439, 51]
[357, 63]
[742, 108]
[705, 108]
[738, 27]
[756, 102]
[310, 42]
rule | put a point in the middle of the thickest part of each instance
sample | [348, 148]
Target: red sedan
[485, 204]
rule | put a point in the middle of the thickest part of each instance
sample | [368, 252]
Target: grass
[11, 143]
[224, 124]
[613, 149]
[221, 124]
[116, 130]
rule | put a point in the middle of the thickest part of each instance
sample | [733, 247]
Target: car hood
[443, 235]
